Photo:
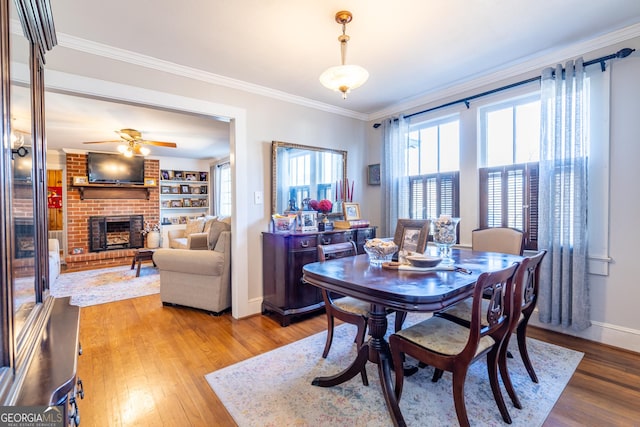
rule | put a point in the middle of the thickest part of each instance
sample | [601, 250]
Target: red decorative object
[325, 206]
[54, 197]
[313, 204]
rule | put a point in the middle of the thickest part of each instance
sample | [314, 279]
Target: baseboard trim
[604, 333]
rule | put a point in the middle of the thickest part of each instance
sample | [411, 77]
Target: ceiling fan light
[144, 151]
[128, 153]
[122, 148]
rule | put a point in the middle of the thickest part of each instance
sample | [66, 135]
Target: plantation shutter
[433, 195]
[509, 198]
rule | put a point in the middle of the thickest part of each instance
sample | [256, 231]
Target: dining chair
[348, 309]
[498, 239]
[525, 297]
[449, 346]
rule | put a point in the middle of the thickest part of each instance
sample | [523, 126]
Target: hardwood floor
[144, 364]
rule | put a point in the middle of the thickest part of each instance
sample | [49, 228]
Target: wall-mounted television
[107, 168]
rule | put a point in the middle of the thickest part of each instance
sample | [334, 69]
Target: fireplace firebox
[115, 232]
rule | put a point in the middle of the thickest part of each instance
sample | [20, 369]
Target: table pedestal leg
[376, 350]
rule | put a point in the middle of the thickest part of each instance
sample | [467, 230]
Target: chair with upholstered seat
[449, 346]
[498, 239]
[347, 309]
[525, 298]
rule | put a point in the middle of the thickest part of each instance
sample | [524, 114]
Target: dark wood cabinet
[283, 255]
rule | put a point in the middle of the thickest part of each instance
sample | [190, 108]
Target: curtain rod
[622, 53]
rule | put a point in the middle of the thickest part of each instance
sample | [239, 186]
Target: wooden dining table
[402, 290]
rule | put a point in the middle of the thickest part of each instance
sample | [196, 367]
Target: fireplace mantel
[113, 191]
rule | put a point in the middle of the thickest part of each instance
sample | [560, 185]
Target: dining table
[403, 289]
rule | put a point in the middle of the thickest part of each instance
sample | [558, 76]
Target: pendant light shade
[343, 78]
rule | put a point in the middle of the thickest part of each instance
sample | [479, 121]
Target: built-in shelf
[183, 194]
[114, 191]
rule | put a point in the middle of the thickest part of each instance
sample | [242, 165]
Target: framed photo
[186, 203]
[150, 182]
[191, 176]
[204, 176]
[185, 189]
[176, 203]
[307, 221]
[178, 175]
[204, 189]
[195, 189]
[350, 211]
[411, 235]
[373, 174]
[80, 180]
[165, 189]
[174, 189]
[196, 203]
[166, 174]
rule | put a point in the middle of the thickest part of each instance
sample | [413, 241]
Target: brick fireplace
[122, 203]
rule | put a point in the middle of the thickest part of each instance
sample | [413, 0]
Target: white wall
[614, 298]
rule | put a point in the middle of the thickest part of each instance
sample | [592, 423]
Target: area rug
[274, 388]
[105, 285]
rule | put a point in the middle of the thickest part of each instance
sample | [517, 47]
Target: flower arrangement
[325, 206]
[148, 228]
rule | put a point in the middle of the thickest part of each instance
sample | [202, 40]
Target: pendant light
[343, 77]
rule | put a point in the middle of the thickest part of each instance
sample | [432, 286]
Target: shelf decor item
[445, 236]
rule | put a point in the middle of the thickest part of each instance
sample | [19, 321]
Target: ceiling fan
[132, 143]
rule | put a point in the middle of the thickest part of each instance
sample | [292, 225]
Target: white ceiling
[411, 48]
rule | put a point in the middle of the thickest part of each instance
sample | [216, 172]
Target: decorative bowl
[423, 261]
[380, 250]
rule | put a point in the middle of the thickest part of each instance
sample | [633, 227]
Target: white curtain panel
[393, 170]
[564, 290]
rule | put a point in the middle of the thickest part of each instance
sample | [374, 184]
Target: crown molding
[533, 63]
[498, 74]
[110, 52]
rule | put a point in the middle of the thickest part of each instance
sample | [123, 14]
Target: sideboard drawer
[304, 242]
[339, 237]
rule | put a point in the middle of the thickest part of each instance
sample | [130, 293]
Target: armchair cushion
[215, 229]
[194, 226]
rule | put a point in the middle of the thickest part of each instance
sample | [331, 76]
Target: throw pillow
[194, 226]
[208, 220]
[217, 227]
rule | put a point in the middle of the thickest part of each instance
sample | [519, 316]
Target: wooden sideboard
[283, 255]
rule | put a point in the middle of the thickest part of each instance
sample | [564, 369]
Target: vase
[153, 240]
[445, 236]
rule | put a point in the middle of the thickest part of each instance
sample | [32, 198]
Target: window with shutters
[509, 179]
[433, 163]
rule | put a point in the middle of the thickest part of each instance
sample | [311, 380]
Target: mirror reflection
[24, 268]
[301, 172]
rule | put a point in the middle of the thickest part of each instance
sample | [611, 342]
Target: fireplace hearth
[115, 232]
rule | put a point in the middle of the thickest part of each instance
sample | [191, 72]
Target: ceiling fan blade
[159, 143]
[101, 142]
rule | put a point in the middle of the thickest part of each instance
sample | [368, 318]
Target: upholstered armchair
[199, 279]
[193, 236]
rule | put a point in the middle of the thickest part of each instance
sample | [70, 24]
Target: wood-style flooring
[144, 365]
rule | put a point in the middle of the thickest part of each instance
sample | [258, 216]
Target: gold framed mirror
[300, 172]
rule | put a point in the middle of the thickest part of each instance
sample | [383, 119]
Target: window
[433, 162]
[509, 179]
[224, 190]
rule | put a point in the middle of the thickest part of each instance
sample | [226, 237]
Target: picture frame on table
[373, 174]
[307, 221]
[150, 182]
[411, 235]
[351, 211]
